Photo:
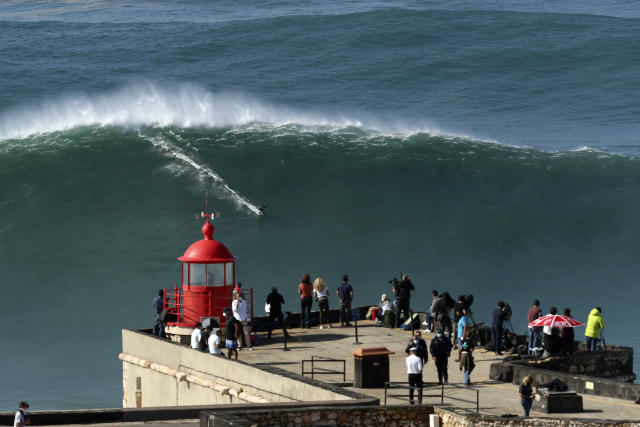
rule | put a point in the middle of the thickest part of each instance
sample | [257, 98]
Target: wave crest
[183, 105]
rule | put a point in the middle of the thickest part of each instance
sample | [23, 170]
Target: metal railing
[174, 304]
[317, 370]
[404, 386]
[442, 395]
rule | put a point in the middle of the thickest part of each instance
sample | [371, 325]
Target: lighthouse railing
[174, 304]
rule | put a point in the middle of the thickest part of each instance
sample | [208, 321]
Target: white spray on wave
[182, 105]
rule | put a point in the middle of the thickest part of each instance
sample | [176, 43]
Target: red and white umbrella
[555, 321]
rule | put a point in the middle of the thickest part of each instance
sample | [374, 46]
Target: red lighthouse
[208, 278]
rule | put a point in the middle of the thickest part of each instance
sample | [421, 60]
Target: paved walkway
[496, 398]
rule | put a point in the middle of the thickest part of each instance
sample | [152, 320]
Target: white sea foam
[183, 105]
[172, 150]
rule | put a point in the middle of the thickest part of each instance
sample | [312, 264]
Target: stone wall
[400, 416]
[390, 416]
[453, 419]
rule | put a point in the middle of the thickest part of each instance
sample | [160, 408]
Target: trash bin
[370, 367]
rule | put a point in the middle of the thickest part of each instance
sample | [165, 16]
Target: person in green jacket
[594, 325]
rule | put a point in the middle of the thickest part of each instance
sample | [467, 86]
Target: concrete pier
[496, 398]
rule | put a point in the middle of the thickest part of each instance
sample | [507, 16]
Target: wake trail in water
[171, 150]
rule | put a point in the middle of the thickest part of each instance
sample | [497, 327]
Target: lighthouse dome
[207, 250]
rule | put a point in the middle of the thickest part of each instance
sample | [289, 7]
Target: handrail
[400, 385]
[324, 371]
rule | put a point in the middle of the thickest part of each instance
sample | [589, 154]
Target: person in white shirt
[214, 343]
[414, 369]
[239, 308]
[196, 335]
[547, 329]
[20, 419]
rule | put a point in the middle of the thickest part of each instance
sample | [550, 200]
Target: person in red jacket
[305, 289]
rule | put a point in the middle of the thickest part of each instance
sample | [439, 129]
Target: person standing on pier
[466, 360]
[594, 325]
[526, 394]
[275, 301]
[231, 333]
[321, 294]
[535, 332]
[20, 419]
[568, 337]
[305, 289]
[345, 294]
[497, 328]
[464, 324]
[403, 298]
[440, 348]
[158, 307]
[239, 308]
[421, 345]
[414, 370]
[457, 315]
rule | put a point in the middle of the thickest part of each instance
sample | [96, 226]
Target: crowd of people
[557, 341]
[456, 333]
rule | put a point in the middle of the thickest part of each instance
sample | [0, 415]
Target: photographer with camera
[403, 297]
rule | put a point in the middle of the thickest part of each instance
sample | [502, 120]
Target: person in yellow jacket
[594, 325]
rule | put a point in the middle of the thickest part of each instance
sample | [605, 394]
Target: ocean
[489, 148]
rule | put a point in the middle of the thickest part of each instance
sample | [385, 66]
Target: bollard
[355, 313]
[285, 340]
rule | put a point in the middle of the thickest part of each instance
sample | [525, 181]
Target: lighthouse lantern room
[208, 279]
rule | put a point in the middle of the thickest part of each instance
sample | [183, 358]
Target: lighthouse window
[229, 273]
[198, 274]
[215, 274]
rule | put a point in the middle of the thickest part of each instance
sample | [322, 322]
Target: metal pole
[344, 371]
[477, 401]
[411, 321]
[312, 367]
[285, 337]
[356, 328]
[442, 394]
[385, 394]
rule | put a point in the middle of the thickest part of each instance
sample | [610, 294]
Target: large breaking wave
[182, 105]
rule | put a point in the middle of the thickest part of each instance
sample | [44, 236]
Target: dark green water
[490, 151]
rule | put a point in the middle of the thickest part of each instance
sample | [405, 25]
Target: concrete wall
[612, 364]
[158, 372]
